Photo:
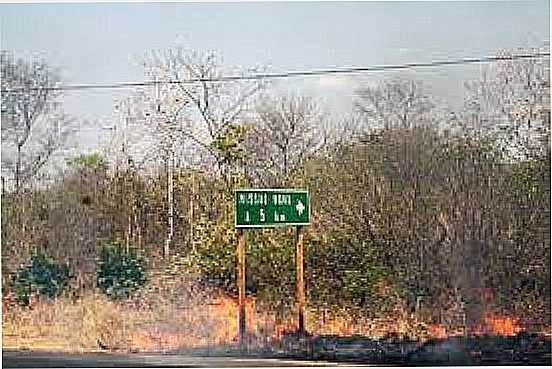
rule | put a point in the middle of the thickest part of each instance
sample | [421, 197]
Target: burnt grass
[522, 349]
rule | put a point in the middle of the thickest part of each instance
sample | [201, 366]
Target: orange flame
[212, 323]
[437, 331]
[502, 325]
[286, 327]
[156, 341]
[493, 324]
[338, 325]
[224, 309]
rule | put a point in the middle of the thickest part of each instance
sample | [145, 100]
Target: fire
[215, 322]
[156, 341]
[224, 310]
[341, 324]
[338, 325]
[437, 331]
[211, 323]
[493, 324]
[503, 325]
[281, 329]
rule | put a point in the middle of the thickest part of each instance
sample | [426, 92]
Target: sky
[106, 42]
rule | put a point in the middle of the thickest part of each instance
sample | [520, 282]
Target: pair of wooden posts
[299, 291]
[258, 208]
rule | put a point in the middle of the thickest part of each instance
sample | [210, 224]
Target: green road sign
[257, 208]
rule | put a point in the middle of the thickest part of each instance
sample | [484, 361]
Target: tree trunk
[128, 234]
[171, 205]
[192, 198]
[18, 169]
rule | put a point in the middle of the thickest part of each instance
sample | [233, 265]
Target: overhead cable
[292, 74]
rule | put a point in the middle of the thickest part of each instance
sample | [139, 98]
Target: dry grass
[168, 316]
[171, 313]
[66, 325]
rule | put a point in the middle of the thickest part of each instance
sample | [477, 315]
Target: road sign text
[271, 207]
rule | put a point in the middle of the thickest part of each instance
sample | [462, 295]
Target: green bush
[119, 272]
[342, 270]
[339, 269]
[215, 257]
[43, 277]
[270, 260]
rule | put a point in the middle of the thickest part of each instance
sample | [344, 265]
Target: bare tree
[33, 125]
[212, 106]
[395, 103]
[511, 103]
[159, 111]
[187, 116]
[289, 130]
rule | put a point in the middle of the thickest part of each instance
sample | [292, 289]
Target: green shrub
[43, 277]
[270, 260]
[342, 270]
[339, 269]
[119, 272]
[215, 257]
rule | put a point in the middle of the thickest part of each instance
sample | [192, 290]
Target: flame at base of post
[492, 325]
[215, 323]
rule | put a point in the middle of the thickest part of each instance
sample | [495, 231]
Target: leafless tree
[185, 113]
[33, 125]
[159, 114]
[395, 103]
[511, 103]
[289, 130]
[210, 106]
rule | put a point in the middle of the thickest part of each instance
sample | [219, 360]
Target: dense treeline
[448, 215]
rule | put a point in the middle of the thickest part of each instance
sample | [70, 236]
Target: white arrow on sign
[299, 207]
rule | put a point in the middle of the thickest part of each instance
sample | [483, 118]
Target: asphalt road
[29, 359]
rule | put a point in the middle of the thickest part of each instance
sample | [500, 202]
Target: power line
[377, 68]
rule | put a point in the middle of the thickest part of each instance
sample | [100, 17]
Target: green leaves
[270, 259]
[342, 270]
[43, 277]
[119, 272]
[214, 256]
[359, 283]
[528, 179]
[228, 144]
[87, 161]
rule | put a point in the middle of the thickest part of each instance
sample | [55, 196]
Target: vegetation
[33, 125]
[43, 277]
[119, 271]
[432, 217]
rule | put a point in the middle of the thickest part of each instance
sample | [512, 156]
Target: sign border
[274, 225]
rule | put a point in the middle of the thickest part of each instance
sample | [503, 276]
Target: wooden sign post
[261, 208]
[241, 288]
[300, 284]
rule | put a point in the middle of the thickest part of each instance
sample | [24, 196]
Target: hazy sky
[104, 42]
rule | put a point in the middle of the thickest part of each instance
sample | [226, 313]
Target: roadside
[18, 359]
